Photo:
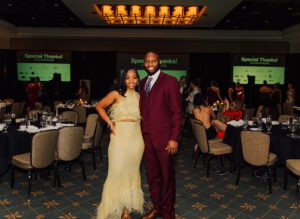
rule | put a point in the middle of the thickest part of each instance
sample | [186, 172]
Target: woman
[264, 99]
[290, 95]
[207, 117]
[194, 89]
[122, 192]
[83, 92]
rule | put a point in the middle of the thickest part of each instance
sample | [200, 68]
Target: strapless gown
[122, 187]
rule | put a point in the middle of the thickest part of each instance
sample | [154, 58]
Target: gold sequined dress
[122, 187]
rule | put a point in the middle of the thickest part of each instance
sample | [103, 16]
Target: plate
[293, 136]
[255, 129]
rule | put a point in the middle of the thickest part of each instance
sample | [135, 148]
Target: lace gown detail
[122, 187]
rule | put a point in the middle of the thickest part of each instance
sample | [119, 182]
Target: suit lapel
[157, 82]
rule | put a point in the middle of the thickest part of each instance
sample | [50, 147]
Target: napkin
[2, 127]
[59, 125]
[32, 129]
[275, 123]
[236, 123]
[255, 129]
[50, 127]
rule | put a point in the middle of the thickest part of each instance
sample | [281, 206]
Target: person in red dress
[32, 90]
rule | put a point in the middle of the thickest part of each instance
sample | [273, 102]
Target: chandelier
[149, 14]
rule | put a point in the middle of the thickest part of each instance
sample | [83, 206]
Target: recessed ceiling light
[71, 18]
[33, 18]
[244, 7]
[228, 20]
[290, 8]
[10, 4]
[266, 21]
[55, 5]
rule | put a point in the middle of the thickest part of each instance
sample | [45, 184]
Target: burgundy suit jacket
[161, 110]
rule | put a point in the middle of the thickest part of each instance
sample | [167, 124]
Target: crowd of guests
[204, 105]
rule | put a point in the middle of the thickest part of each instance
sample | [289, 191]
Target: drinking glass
[293, 127]
[245, 122]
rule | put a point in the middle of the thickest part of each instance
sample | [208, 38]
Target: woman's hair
[198, 100]
[122, 85]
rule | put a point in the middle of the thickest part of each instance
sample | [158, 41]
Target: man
[160, 104]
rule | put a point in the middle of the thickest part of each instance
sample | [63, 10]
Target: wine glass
[269, 124]
[293, 127]
[245, 122]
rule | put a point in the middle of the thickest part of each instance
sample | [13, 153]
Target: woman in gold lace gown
[122, 191]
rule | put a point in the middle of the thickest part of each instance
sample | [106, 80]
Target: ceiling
[220, 14]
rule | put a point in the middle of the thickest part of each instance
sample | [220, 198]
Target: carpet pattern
[196, 195]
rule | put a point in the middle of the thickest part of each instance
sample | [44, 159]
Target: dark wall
[207, 67]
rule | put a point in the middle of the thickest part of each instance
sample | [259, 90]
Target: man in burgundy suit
[160, 105]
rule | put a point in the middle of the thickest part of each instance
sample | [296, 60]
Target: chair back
[81, 110]
[22, 108]
[16, 108]
[69, 143]
[255, 147]
[98, 134]
[31, 112]
[193, 127]
[284, 118]
[200, 134]
[71, 116]
[38, 106]
[43, 148]
[250, 112]
[57, 102]
[91, 124]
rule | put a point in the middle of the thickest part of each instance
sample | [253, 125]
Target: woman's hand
[112, 127]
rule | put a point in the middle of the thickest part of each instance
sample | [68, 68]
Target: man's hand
[172, 147]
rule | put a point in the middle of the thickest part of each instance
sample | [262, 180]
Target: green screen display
[176, 73]
[271, 74]
[43, 70]
[43, 64]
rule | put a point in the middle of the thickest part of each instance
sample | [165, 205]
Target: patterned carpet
[197, 196]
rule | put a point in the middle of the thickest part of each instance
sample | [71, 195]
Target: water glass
[293, 127]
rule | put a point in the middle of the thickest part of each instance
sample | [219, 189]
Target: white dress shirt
[154, 78]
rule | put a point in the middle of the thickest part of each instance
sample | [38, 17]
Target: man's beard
[149, 73]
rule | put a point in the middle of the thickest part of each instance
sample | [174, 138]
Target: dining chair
[81, 110]
[15, 108]
[284, 118]
[250, 112]
[41, 156]
[98, 139]
[293, 166]
[211, 148]
[256, 153]
[70, 116]
[198, 152]
[89, 135]
[38, 106]
[32, 112]
[68, 150]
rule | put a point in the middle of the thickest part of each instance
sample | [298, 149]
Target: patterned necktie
[148, 85]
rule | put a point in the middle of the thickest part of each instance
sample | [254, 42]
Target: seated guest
[207, 117]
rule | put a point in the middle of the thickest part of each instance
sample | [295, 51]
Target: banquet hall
[52, 50]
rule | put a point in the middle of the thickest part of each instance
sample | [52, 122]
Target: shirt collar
[155, 75]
